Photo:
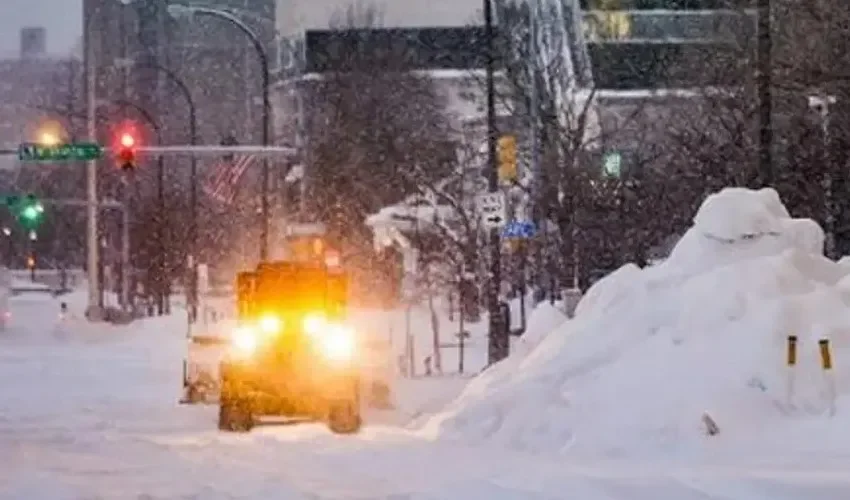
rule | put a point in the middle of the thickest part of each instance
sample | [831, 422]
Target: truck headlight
[315, 324]
[244, 341]
[337, 343]
[270, 324]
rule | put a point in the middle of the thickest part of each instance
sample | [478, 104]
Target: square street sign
[519, 229]
[83, 151]
[493, 210]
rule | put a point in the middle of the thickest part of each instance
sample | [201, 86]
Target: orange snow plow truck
[290, 354]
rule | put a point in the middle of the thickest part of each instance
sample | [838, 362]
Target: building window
[601, 25]
[655, 26]
[627, 66]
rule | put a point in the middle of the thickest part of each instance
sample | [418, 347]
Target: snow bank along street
[612, 404]
[705, 332]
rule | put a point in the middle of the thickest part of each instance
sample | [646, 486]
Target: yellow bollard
[825, 355]
[790, 362]
[826, 364]
[791, 356]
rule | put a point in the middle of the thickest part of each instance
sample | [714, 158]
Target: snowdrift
[652, 350]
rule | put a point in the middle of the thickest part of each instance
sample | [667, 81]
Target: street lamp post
[264, 63]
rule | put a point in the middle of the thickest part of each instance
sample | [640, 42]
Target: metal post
[765, 96]
[304, 149]
[498, 338]
[10, 246]
[267, 111]
[160, 272]
[830, 193]
[536, 169]
[193, 188]
[193, 202]
[821, 103]
[461, 299]
[93, 311]
[125, 255]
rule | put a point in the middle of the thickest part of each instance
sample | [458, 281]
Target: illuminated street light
[48, 139]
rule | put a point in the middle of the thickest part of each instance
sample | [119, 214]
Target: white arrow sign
[492, 208]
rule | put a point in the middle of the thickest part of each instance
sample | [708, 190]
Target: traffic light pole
[93, 311]
[498, 331]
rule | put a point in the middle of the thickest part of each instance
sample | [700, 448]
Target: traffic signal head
[30, 210]
[127, 140]
[127, 151]
[507, 152]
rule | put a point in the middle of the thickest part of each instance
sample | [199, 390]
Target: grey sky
[60, 17]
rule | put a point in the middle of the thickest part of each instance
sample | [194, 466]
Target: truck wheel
[234, 416]
[344, 417]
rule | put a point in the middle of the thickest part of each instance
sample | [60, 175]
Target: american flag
[225, 178]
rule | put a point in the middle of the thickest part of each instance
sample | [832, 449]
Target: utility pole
[498, 335]
[765, 96]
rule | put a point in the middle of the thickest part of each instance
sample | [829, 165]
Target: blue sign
[519, 229]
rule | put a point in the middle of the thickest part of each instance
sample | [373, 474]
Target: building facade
[451, 58]
[32, 93]
[655, 61]
[294, 17]
[666, 44]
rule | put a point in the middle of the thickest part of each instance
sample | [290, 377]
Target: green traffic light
[32, 212]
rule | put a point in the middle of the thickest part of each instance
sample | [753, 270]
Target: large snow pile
[652, 350]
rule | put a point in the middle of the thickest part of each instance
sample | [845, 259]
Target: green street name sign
[81, 151]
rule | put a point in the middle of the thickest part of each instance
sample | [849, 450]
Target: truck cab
[292, 355]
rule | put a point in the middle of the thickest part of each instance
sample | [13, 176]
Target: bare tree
[715, 136]
[546, 87]
[373, 121]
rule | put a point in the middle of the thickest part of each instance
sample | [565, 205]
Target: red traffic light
[126, 151]
[127, 140]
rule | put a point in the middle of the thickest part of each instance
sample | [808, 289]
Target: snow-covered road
[92, 413]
